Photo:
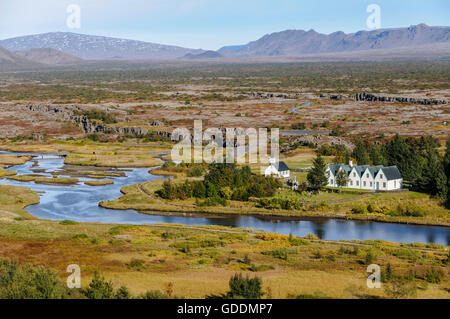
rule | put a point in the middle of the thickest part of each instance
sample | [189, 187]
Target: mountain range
[96, 47]
[298, 42]
[64, 48]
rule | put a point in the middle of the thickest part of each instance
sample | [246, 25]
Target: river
[80, 203]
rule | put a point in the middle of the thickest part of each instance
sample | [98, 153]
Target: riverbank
[196, 261]
[143, 198]
[87, 153]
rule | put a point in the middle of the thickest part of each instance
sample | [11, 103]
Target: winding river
[80, 203]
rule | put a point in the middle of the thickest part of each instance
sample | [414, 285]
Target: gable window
[367, 175]
[381, 175]
[354, 174]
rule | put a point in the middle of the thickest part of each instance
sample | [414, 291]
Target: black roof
[281, 166]
[392, 172]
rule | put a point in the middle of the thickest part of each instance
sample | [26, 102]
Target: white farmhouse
[377, 178]
[278, 169]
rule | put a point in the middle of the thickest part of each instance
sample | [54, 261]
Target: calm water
[80, 203]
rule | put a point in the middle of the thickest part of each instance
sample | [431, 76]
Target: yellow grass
[98, 183]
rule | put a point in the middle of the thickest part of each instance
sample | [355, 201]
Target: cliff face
[377, 98]
[89, 127]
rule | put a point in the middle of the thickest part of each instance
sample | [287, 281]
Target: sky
[211, 24]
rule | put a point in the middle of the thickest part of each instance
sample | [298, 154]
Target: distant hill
[204, 55]
[299, 42]
[49, 56]
[233, 47]
[10, 61]
[96, 47]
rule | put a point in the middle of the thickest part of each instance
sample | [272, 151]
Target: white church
[366, 176]
[277, 169]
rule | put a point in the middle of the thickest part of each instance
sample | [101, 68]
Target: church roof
[390, 172]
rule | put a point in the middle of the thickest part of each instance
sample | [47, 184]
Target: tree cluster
[222, 182]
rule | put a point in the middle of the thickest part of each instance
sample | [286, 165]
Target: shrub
[359, 210]
[281, 253]
[266, 236]
[255, 268]
[399, 288]
[408, 210]
[99, 288]
[434, 276]
[154, 294]
[226, 192]
[196, 171]
[311, 237]
[122, 293]
[407, 253]
[28, 282]
[136, 263]
[248, 288]
[369, 258]
[68, 222]
[371, 208]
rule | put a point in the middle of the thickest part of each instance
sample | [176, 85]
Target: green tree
[123, 293]
[199, 190]
[446, 165]
[433, 180]
[388, 272]
[99, 288]
[317, 177]
[28, 282]
[341, 178]
[360, 153]
[248, 288]
[375, 154]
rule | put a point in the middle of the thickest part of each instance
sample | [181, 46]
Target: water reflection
[80, 203]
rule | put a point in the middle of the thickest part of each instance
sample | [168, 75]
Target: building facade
[377, 178]
[279, 169]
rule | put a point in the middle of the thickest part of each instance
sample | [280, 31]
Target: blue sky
[210, 24]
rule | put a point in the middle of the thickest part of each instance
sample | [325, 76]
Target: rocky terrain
[404, 99]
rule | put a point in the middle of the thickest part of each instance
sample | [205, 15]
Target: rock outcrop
[61, 112]
[90, 127]
[376, 98]
[266, 95]
[316, 141]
